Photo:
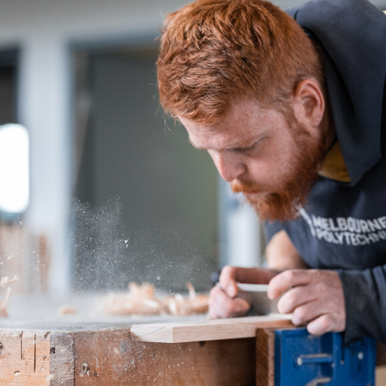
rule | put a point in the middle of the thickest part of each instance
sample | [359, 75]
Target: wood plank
[24, 358]
[265, 357]
[113, 358]
[219, 329]
[380, 376]
[62, 361]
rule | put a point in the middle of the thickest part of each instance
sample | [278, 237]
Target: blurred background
[97, 186]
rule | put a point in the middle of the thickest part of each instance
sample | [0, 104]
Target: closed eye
[245, 150]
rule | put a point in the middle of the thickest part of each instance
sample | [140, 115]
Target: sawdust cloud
[107, 255]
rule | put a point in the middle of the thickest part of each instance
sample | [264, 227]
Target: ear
[309, 103]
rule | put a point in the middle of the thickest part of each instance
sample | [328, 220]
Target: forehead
[243, 122]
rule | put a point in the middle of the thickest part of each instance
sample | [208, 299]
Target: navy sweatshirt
[343, 225]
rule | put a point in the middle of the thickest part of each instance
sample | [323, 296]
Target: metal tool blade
[256, 296]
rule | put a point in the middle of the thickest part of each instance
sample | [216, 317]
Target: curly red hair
[213, 51]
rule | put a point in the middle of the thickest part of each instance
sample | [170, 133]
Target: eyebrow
[236, 146]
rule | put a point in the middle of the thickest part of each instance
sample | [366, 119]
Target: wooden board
[265, 356]
[219, 329]
[25, 358]
[113, 358]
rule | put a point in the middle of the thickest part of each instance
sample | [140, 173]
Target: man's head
[246, 82]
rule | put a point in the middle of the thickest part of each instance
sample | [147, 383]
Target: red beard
[282, 202]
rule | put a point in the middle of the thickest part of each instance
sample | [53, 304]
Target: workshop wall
[167, 191]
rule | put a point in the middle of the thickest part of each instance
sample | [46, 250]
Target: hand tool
[256, 296]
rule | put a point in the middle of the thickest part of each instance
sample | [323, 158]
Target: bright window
[14, 168]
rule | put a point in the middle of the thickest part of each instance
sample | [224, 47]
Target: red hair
[215, 51]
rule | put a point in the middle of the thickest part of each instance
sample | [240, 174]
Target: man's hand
[223, 302]
[314, 296]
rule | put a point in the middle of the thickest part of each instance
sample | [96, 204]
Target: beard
[283, 201]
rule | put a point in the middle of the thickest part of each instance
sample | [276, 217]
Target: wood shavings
[179, 305]
[3, 303]
[3, 309]
[6, 280]
[192, 291]
[141, 300]
[67, 310]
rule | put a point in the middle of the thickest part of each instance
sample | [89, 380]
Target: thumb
[228, 280]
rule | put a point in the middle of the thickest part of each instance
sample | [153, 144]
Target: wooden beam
[113, 358]
[219, 329]
[265, 357]
[24, 358]
[62, 354]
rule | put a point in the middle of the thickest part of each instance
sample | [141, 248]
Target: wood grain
[114, 359]
[111, 357]
[265, 357]
[62, 361]
[234, 328]
[24, 359]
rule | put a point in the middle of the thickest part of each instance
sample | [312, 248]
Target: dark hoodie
[343, 225]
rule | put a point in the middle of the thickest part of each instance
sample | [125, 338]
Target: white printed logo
[350, 230]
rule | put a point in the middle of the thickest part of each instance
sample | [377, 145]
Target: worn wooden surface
[62, 359]
[115, 359]
[233, 328]
[25, 358]
[265, 355]
[112, 357]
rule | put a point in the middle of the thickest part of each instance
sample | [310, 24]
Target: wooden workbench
[231, 352]
[186, 353]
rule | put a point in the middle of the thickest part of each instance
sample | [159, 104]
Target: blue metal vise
[302, 359]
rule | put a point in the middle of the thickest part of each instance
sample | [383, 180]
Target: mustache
[239, 186]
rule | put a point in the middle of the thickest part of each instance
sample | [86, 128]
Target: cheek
[272, 166]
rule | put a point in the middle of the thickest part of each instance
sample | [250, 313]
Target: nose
[228, 165]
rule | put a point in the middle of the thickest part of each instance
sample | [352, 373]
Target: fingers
[313, 296]
[323, 324]
[291, 278]
[232, 275]
[295, 297]
[222, 306]
[309, 311]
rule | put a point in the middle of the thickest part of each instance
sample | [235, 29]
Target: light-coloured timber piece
[219, 329]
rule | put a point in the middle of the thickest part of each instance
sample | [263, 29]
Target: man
[291, 108]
